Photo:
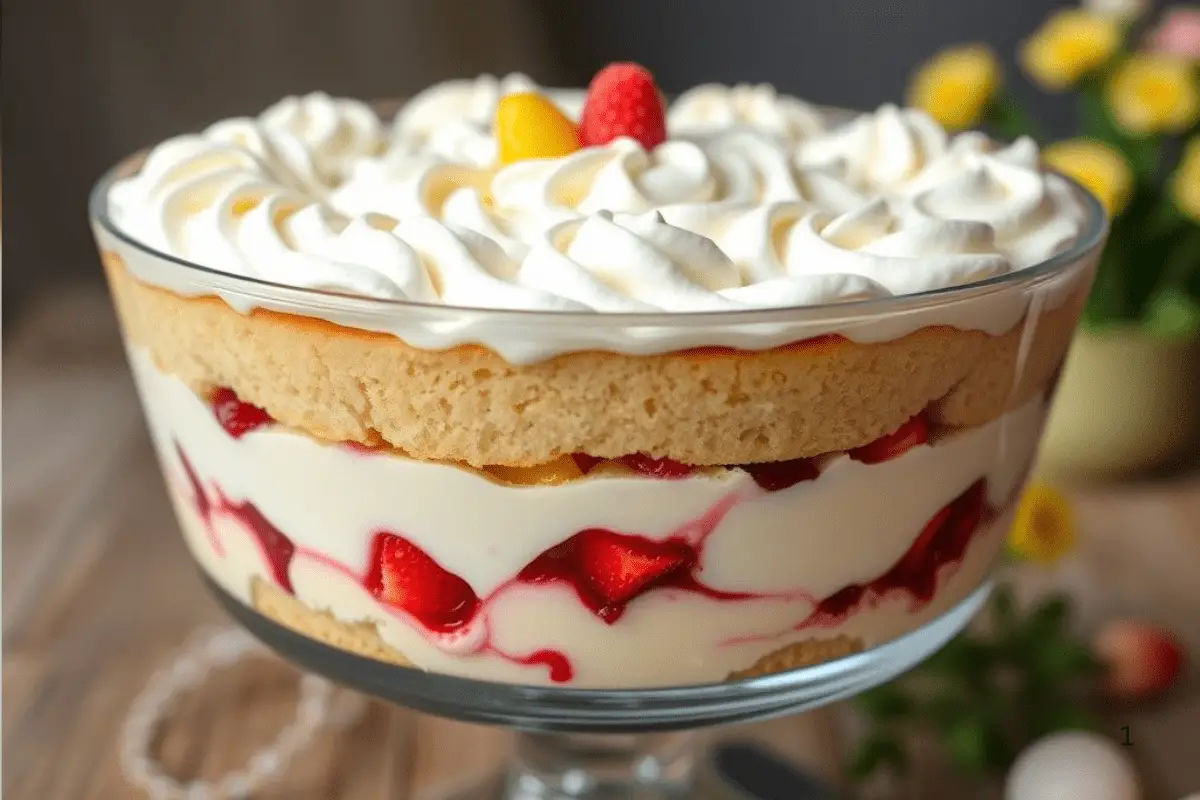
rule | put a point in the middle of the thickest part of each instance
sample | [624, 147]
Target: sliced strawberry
[656, 467]
[623, 100]
[776, 475]
[619, 568]
[895, 444]
[404, 576]
[236, 417]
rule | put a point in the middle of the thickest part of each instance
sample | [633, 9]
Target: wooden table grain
[98, 593]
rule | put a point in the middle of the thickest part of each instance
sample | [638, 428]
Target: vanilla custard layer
[787, 549]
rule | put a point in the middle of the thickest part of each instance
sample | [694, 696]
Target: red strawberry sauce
[606, 570]
[942, 542]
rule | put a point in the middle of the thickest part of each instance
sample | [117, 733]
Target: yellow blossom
[1068, 46]
[1044, 527]
[956, 85]
[1185, 182]
[1153, 92]
[1102, 170]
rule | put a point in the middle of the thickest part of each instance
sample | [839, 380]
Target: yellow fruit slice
[529, 126]
[560, 470]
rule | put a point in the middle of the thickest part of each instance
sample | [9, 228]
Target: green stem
[1183, 263]
[1094, 119]
[1097, 122]
[1108, 301]
[1164, 219]
[1144, 157]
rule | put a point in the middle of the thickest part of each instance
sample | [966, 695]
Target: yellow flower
[956, 85]
[1185, 182]
[1102, 170]
[1153, 92]
[1044, 528]
[1068, 46]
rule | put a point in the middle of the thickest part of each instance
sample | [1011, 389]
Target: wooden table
[98, 593]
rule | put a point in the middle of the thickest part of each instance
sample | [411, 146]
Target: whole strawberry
[1140, 659]
[623, 100]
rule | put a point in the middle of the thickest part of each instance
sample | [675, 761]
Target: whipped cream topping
[756, 200]
[714, 107]
[454, 119]
[878, 151]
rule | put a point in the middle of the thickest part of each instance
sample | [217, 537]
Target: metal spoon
[747, 771]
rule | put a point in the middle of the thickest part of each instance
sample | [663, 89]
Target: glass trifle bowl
[764, 496]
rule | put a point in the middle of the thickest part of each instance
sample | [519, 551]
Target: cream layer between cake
[765, 559]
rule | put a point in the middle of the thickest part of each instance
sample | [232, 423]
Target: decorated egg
[1073, 764]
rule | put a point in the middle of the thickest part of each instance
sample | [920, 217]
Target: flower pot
[1126, 403]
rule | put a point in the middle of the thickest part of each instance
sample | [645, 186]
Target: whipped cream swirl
[454, 119]
[713, 107]
[878, 151]
[308, 143]
[1032, 215]
[752, 202]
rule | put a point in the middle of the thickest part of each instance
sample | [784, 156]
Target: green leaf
[1107, 302]
[1172, 314]
[945, 711]
[1094, 119]
[1011, 120]
[964, 660]
[877, 751]
[1097, 122]
[1164, 219]
[1060, 659]
[1048, 619]
[976, 746]
[1171, 309]
[886, 702]
[1143, 249]
[1143, 154]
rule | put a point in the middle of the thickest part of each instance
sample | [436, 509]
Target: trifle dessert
[591, 389]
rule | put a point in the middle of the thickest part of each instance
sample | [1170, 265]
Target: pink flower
[1178, 33]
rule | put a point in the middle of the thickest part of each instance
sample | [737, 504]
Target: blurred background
[86, 83]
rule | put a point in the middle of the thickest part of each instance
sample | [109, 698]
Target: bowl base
[589, 744]
[616, 711]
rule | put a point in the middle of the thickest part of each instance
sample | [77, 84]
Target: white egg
[1073, 766]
